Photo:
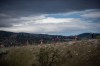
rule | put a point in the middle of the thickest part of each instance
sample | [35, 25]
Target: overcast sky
[62, 17]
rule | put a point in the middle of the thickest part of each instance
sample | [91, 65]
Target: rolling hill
[11, 38]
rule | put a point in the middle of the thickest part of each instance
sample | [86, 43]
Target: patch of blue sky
[73, 15]
[71, 33]
[90, 20]
[95, 20]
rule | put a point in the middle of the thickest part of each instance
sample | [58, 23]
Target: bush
[48, 56]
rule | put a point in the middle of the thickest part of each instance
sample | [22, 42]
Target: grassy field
[80, 53]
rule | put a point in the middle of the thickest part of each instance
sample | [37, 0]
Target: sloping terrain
[17, 39]
[11, 39]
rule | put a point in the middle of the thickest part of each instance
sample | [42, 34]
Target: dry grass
[80, 53]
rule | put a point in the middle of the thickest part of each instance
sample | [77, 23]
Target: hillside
[88, 35]
[11, 38]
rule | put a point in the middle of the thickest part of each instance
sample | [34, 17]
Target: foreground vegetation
[80, 53]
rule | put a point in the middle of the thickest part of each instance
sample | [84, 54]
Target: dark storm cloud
[6, 22]
[10, 9]
[2, 24]
[28, 7]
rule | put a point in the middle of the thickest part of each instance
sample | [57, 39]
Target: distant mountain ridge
[88, 35]
[11, 38]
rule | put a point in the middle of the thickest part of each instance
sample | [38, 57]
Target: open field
[80, 53]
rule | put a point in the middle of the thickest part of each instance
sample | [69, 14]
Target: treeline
[13, 39]
[10, 38]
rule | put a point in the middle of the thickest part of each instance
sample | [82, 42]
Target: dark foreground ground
[80, 53]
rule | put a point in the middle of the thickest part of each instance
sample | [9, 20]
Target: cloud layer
[54, 25]
[50, 16]
[27, 7]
